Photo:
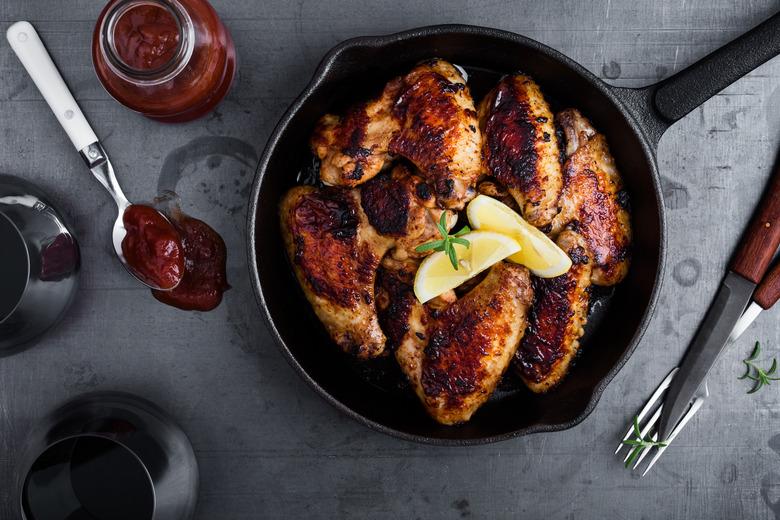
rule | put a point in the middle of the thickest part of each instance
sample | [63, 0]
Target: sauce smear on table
[205, 277]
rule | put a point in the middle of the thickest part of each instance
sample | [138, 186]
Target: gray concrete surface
[268, 447]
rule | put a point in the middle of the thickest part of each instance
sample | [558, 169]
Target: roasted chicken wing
[335, 254]
[439, 130]
[520, 147]
[556, 319]
[455, 355]
[353, 148]
[401, 205]
[593, 201]
[426, 116]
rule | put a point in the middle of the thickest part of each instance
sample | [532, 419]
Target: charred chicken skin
[401, 205]
[439, 130]
[556, 319]
[426, 116]
[336, 238]
[353, 148]
[593, 228]
[520, 147]
[335, 254]
[454, 355]
[593, 201]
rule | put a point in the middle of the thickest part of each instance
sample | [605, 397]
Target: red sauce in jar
[146, 37]
[205, 277]
[137, 62]
[153, 247]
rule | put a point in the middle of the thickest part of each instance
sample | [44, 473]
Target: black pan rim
[317, 78]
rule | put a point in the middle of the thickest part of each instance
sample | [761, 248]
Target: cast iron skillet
[633, 121]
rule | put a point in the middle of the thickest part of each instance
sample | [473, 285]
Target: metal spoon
[29, 48]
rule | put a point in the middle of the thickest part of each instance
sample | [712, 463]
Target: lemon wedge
[436, 275]
[538, 252]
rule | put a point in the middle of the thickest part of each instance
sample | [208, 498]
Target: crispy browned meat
[493, 188]
[439, 130]
[556, 320]
[335, 254]
[593, 201]
[520, 147]
[426, 116]
[353, 148]
[455, 355]
[396, 304]
[401, 205]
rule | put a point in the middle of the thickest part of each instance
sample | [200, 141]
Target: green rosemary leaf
[442, 224]
[436, 245]
[634, 454]
[756, 352]
[453, 257]
[760, 376]
[463, 231]
[447, 241]
[461, 241]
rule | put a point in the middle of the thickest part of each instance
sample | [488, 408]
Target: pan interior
[375, 392]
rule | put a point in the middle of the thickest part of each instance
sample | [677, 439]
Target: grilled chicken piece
[426, 116]
[398, 309]
[556, 320]
[335, 255]
[353, 148]
[439, 130]
[401, 205]
[494, 189]
[455, 354]
[520, 147]
[593, 201]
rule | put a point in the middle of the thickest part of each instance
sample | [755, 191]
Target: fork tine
[644, 453]
[646, 428]
[649, 405]
[687, 417]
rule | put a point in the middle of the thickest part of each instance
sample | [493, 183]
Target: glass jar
[170, 60]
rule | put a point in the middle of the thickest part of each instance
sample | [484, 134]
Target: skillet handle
[689, 88]
[657, 106]
[762, 237]
[768, 291]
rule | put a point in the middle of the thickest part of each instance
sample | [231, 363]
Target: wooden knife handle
[762, 236]
[768, 291]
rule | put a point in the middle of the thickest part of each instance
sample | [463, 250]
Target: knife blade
[744, 321]
[724, 313]
[764, 298]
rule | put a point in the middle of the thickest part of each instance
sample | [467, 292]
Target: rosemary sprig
[760, 377]
[640, 443]
[447, 241]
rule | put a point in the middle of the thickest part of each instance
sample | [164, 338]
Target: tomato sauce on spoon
[152, 247]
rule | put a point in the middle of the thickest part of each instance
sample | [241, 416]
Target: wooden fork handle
[768, 291]
[762, 236]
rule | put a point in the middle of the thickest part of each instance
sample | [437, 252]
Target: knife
[748, 267]
[765, 296]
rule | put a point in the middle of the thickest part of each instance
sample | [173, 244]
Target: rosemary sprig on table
[760, 377]
[640, 443]
[447, 241]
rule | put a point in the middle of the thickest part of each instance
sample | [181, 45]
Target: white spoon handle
[29, 49]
